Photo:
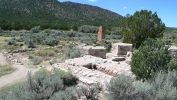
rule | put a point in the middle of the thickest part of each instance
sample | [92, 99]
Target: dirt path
[19, 74]
[3, 60]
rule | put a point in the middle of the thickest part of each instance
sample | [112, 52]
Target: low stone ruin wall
[85, 75]
[173, 50]
[10, 58]
[97, 51]
[20, 50]
[91, 70]
[121, 48]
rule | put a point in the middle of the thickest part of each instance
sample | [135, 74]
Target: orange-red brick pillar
[101, 34]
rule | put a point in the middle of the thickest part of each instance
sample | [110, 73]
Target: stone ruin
[101, 34]
[97, 66]
[91, 70]
[97, 51]
[173, 50]
[121, 52]
[10, 58]
[121, 48]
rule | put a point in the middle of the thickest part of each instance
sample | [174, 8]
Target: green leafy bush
[107, 45]
[47, 30]
[88, 29]
[152, 57]
[163, 86]
[46, 85]
[35, 29]
[68, 94]
[44, 53]
[172, 65]
[36, 60]
[12, 42]
[67, 77]
[31, 44]
[121, 88]
[51, 41]
[1, 30]
[89, 40]
[72, 52]
[141, 25]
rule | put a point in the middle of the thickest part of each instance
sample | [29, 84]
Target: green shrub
[41, 73]
[141, 25]
[36, 60]
[47, 30]
[47, 85]
[51, 41]
[12, 42]
[115, 30]
[68, 94]
[72, 52]
[1, 31]
[71, 34]
[44, 53]
[90, 93]
[152, 57]
[88, 29]
[121, 88]
[35, 29]
[162, 86]
[75, 53]
[107, 45]
[31, 43]
[88, 40]
[172, 65]
[67, 77]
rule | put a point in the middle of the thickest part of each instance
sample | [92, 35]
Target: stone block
[173, 50]
[128, 61]
[129, 54]
[121, 48]
[97, 51]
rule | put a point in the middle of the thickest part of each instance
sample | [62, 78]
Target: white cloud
[92, 0]
[124, 7]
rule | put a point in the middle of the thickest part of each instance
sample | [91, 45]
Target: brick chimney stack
[101, 34]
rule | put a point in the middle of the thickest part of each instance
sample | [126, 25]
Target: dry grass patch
[6, 69]
[45, 53]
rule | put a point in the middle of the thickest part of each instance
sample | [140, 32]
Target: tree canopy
[141, 25]
[151, 57]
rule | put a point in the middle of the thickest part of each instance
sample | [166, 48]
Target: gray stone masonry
[97, 51]
[121, 48]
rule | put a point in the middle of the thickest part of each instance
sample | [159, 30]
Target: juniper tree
[141, 25]
[151, 57]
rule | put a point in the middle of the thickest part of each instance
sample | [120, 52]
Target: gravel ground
[3, 60]
[19, 74]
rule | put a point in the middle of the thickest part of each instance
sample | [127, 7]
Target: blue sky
[166, 9]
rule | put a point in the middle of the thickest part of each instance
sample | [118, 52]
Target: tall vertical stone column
[101, 34]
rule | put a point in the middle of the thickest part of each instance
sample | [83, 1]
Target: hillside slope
[52, 13]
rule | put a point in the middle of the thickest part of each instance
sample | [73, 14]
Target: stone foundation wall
[10, 58]
[173, 50]
[97, 51]
[121, 48]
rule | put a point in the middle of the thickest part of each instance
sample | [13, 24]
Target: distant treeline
[27, 25]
